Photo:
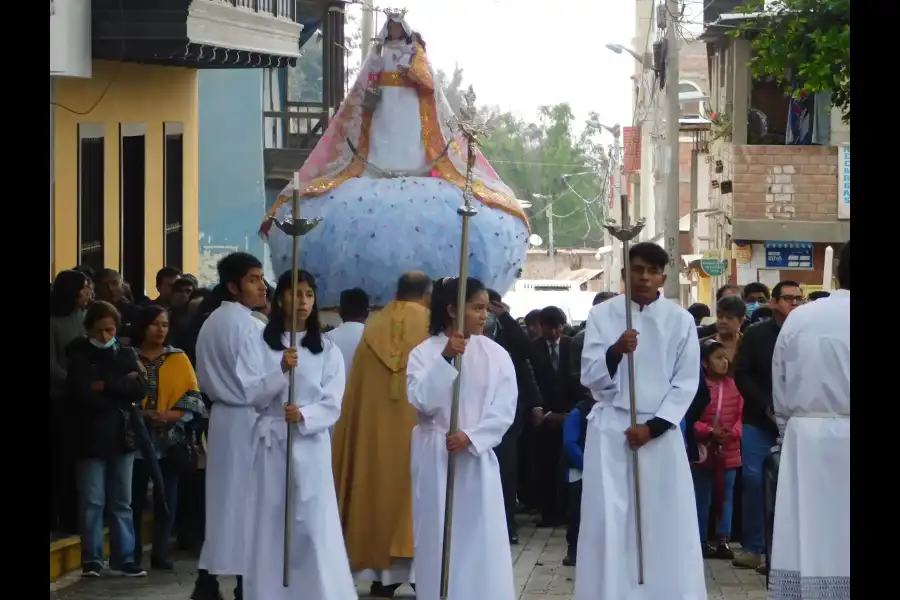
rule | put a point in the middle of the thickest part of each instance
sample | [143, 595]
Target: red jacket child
[727, 400]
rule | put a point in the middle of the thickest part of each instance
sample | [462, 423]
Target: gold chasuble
[371, 443]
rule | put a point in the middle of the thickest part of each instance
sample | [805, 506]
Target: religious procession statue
[386, 180]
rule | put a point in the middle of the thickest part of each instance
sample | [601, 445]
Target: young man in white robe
[318, 564]
[480, 558]
[810, 557]
[234, 372]
[666, 354]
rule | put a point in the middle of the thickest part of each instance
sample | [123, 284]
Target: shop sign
[713, 264]
[843, 210]
[789, 255]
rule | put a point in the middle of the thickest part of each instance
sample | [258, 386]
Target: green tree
[809, 38]
[305, 80]
[545, 164]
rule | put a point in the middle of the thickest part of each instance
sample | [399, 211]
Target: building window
[690, 108]
[173, 173]
[132, 181]
[90, 195]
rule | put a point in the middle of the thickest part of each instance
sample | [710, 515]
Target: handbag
[185, 455]
[707, 451]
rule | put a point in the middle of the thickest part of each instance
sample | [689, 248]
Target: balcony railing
[277, 8]
[298, 127]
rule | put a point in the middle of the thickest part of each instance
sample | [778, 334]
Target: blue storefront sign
[789, 255]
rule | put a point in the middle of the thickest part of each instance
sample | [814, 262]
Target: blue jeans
[703, 490]
[105, 484]
[756, 443]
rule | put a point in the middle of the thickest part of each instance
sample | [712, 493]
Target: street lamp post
[549, 212]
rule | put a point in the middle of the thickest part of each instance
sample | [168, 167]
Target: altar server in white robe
[234, 371]
[319, 567]
[480, 558]
[667, 367]
[811, 400]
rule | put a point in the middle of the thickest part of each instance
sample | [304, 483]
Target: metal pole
[625, 234]
[295, 227]
[672, 287]
[289, 466]
[549, 210]
[470, 129]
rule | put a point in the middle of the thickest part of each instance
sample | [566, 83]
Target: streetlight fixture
[646, 60]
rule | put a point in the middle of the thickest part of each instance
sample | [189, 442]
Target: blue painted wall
[232, 192]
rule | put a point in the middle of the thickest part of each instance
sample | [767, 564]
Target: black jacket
[753, 372]
[515, 341]
[561, 389]
[694, 411]
[101, 421]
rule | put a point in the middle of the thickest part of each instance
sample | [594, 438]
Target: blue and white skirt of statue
[374, 230]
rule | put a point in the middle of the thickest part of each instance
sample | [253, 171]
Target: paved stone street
[538, 569]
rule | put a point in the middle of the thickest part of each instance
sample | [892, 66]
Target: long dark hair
[65, 292]
[145, 317]
[277, 324]
[443, 296]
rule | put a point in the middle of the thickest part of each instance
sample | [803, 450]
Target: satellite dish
[535, 240]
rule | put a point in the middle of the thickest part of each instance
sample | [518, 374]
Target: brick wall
[785, 182]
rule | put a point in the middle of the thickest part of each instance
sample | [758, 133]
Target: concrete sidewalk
[538, 570]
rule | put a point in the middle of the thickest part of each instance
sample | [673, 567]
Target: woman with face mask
[104, 381]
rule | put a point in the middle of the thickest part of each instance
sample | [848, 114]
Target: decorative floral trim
[790, 585]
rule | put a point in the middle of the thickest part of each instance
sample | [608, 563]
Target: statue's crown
[395, 13]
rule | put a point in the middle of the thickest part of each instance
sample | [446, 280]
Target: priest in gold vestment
[371, 444]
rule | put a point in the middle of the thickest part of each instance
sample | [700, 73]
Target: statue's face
[395, 30]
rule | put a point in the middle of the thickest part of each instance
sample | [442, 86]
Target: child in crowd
[574, 434]
[718, 438]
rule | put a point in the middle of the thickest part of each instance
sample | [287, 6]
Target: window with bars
[90, 195]
[173, 173]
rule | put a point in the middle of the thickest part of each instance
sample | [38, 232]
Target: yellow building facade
[122, 99]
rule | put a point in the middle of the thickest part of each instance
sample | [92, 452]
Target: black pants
[550, 476]
[191, 515]
[63, 494]
[162, 525]
[507, 454]
[574, 524]
[526, 466]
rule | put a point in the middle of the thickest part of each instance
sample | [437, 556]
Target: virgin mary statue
[387, 178]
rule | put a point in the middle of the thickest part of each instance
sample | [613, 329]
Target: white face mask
[101, 345]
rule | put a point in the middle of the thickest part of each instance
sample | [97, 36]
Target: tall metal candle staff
[295, 227]
[471, 129]
[625, 233]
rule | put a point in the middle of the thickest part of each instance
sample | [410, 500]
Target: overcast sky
[521, 54]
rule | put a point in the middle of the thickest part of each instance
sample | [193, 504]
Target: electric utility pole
[673, 114]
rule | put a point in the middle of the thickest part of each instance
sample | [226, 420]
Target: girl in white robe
[480, 559]
[319, 567]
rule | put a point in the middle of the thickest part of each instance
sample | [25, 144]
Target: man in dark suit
[551, 358]
[504, 330]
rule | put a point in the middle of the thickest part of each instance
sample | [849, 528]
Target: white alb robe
[346, 337]
[667, 368]
[320, 568]
[233, 370]
[811, 396]
[480, 558]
